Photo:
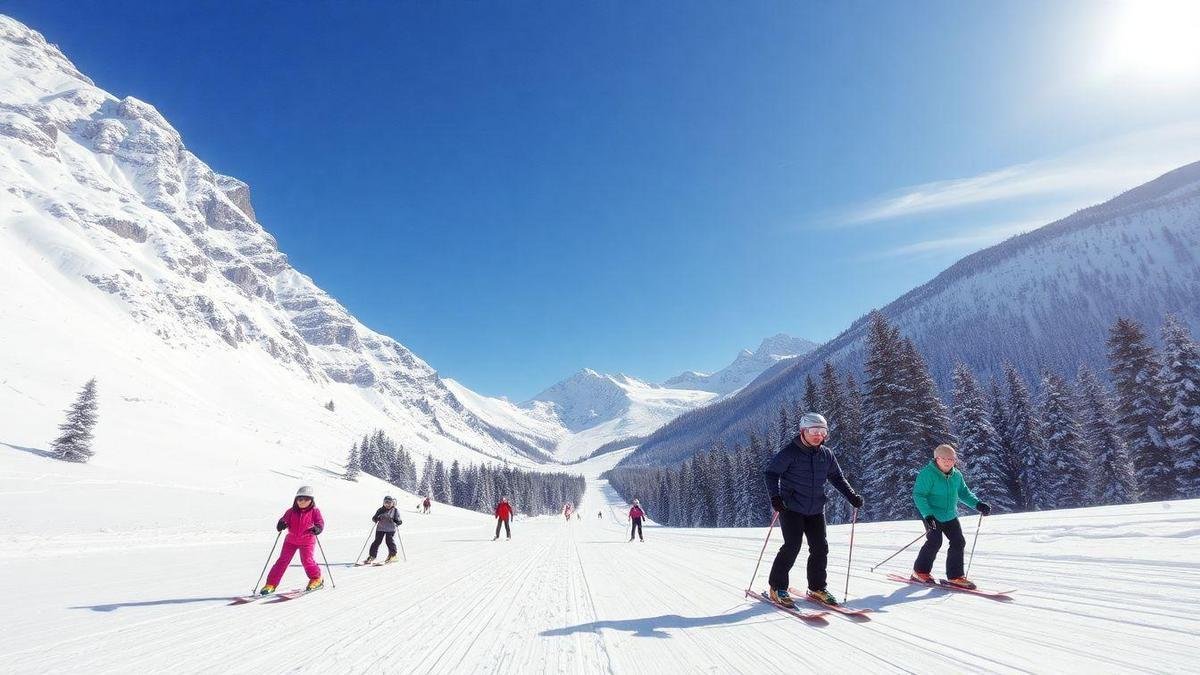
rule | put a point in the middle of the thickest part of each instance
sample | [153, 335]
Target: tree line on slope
[1070, 445]
[473, 487]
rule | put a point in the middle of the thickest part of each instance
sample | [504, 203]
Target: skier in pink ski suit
[303, 522]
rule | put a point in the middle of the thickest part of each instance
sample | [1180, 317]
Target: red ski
[942, 583]
[798, 613]
[245, 599]
[292, 595]
[840, 609]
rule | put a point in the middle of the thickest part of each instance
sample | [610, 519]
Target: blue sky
[516, 190]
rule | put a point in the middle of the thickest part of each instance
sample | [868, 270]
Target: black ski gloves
[280, 526]
[857, 501]
[315, 529]
[983, 508]
[777, 504]
[931, 523]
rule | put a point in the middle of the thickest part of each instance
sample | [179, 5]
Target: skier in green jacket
[937, 492]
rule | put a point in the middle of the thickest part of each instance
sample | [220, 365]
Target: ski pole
[898, 552]
[850, 555]
[973, 542]
[327, 570]
[401, 541]
[364, 546]
[269, 556]
[750, 588]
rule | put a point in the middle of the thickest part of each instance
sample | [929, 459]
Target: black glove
[376, 519]
[399, 522]
[857, 501]
[931, 523]
[777, 504]
[280, 526]
[983, 508]
[315, 529]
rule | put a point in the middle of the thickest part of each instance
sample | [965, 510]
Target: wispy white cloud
[1082, 177]
[961, 240]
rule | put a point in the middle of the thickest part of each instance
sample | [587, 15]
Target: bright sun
[1154, 40]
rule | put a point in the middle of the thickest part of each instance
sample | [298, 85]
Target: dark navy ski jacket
[798, 473]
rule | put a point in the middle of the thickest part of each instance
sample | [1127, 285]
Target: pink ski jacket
[298, 522]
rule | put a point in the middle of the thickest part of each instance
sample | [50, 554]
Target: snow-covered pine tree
[833, 400]
[727, 494]
[979, 445]
[1022, 429]
[786, 428]
[1141, 408]
[457, 491]
[427, 477]
[1011, 461]
[887, 488]
[353, 466]
[441, 483]
[74, 442]
[1112, 472]
[1064, 481]
[851, 434]
[704, 513]
[687, 494]
[812, 397]
[761, 454]
[743, 486]
[1181, 380]
[929, 416]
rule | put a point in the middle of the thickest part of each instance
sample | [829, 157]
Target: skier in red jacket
[635, 518]
[504, 513]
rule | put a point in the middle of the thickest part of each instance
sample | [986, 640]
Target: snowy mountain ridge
[747, 366]
[1043, 300]
[102, 189]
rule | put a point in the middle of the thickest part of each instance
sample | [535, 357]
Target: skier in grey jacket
[796, 480]
[386, 519]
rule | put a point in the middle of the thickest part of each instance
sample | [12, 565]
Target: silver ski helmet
[813, 420]
[305, 491]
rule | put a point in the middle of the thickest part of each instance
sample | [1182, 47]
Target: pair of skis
[372, 564]
[942, 583]
[826, 608]
[286, 595]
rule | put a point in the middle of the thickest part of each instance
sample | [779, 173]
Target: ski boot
[267, 590]
[962, 582]
[370, 559]
[314, 584]
[822, 596]
[390, 559]
[781, 598]
[923, 577]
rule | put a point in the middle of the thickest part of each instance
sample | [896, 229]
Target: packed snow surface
[98, 581]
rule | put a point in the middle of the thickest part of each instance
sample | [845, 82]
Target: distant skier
[635, 517]
[504, 513]
[567, 508]
[303, 522]
[426, 504]
[600, 515]
[796, 479]
[937, 491]
[386, 518]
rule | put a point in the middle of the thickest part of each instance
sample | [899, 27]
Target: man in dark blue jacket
[796, 483]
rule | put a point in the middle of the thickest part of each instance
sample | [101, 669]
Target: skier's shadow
[903, 595]
[112, 607]
[654, 626]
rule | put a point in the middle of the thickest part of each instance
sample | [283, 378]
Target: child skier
[303, 522]
[426, 504]
[635, 517]
[386, 518]
[938, 490]
[504, 512]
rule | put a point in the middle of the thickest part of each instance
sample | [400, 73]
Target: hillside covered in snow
[1043, 300]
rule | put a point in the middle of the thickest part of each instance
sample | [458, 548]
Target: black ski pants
[796, 526]
[379, 537]
[635, 527]
[504, 522]
[933, 543]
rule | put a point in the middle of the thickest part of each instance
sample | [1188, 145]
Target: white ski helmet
[636, 502]
[305, 491]
[811, 420]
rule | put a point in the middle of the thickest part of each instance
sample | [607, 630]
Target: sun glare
[1154, 40]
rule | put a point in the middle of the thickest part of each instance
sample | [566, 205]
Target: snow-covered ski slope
[92, 589]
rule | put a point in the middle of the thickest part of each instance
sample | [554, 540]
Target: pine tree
[1112, 473]
[834, 401]
[978, 442]
[1181, 380]
[1141, 408]
[457, 489]
[1021, 428]
[1064, 480]
[786, 428]
[886, 415]
[74, 442]
[353, 466]
[929, 419]
[441, 484]
[1009, 459]
[812, 397]
[427, 477]
[851, 435]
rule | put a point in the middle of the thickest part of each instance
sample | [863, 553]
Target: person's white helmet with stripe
[813, 420]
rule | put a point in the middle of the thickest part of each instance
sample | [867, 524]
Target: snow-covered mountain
[747, 366]
[114, 237]
[1041, 300]
[597, 409]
